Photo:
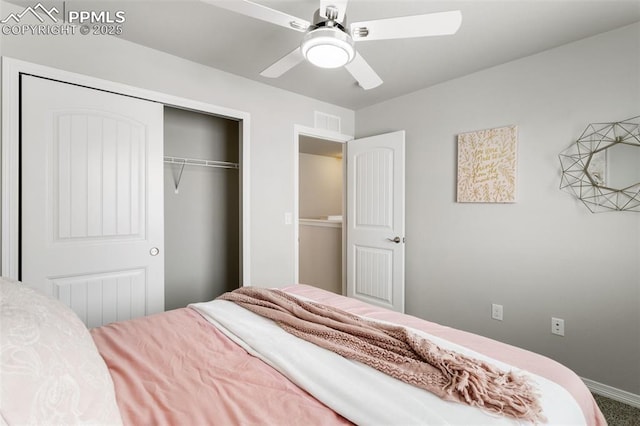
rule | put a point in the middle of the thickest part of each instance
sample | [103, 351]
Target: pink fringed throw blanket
[396, 351]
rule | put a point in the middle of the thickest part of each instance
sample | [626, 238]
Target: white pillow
[50, 369]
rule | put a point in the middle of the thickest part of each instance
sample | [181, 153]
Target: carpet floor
[617, 413]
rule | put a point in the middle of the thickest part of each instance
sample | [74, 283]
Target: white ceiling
[492, 33]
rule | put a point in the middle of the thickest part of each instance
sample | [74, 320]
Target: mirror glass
[616, 167]
[602, 168]
[623, 165]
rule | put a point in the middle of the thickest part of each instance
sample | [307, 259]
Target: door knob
[395, 240]
[154, 251]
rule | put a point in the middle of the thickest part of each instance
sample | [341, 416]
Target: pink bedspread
[175, 368]
[512, 355]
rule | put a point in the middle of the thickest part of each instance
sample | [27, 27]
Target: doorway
[373, 215]
[201, 206]
[320, 210]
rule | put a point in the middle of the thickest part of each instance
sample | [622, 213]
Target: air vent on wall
[327, 121]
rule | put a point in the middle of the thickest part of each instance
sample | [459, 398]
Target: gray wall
[545, 255]
[320, 186]
[201, 221]
[274, 112]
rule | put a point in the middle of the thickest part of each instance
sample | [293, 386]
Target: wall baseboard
[613, 393]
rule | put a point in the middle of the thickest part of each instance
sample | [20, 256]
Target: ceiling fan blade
[341, 5]
[284, 64]
[263, 13]
[430, 24]
[363, 73]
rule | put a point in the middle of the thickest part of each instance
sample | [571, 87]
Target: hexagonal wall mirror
[602, 168]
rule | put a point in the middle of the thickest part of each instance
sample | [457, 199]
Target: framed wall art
[487, 162]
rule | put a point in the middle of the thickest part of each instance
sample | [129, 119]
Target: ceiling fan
[329, 42]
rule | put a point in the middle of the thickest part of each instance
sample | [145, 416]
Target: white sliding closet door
[92, 199]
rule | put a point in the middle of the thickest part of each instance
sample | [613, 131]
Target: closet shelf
[197, 162]
[200, 162]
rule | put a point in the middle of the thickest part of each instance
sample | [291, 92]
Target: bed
[218, 363]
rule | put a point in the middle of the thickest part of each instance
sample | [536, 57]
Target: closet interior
[202, 226]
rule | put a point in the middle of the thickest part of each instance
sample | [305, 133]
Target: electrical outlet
[557, 326]
[496, 312]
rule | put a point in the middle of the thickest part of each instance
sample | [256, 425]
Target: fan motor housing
[330, 18]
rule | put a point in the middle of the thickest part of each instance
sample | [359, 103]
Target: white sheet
[360, 393]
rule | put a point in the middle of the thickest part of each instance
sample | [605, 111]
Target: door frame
[10, 215]
[299, 130]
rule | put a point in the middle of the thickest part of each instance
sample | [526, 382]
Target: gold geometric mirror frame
[602, 168]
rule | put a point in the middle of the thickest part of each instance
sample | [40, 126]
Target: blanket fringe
[498, 392]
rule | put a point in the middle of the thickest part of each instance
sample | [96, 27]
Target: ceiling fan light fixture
[328, 47]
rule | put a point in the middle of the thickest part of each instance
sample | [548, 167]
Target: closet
[201, 206]
[127, 206]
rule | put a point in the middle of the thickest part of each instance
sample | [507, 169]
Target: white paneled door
[375, 222]
[92, 199]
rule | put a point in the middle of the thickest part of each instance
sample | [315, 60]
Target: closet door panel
[92, 199]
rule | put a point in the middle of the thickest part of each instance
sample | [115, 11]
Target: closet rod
[198, 162]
